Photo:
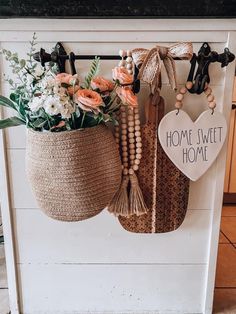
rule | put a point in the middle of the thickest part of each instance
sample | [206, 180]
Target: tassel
[136, 201]
[119, 206]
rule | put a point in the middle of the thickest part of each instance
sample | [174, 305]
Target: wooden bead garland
[128, 62]
[208, 92]
[129, 141]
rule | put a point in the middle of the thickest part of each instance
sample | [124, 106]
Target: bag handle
[154, 108]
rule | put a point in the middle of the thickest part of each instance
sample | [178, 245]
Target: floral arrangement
[45, 100]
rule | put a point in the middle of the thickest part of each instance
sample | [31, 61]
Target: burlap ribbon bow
[149, 62]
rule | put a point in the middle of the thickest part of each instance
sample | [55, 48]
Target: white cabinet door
[95, 266]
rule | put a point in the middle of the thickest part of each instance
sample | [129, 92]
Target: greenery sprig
[94, 69]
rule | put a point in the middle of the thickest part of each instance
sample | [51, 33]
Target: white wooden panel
[103, 240]
[219, 184]
[120, 36]
[111, 289]
[143, 273]
[8, 228]
[21, 195]
[118, 24]
[201, 191]
[16, 137]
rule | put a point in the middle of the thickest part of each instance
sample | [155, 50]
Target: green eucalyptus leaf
[8, 53]
[15, 59]
[9, 122]
[6, 102]
[39, 123]
[14, 97]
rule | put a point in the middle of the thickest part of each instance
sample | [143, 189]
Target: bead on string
[129, 140]
[182, 91]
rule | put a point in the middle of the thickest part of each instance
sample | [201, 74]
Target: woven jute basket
[73, 174]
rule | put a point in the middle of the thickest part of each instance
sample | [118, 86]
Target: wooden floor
[225, 286]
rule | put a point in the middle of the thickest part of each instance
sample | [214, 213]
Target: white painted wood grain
[57, 289]
[201, 193]
[219, 185]
[103, 240]
[186, 25]
[49, 287]
[21, 194]
[120, 36]
[8, 228]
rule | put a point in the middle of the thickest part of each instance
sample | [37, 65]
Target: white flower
[39, 71]
[64, 99]
[48, 82]
[61, 91]
[52, 105]
[66, 110]
[36, 103]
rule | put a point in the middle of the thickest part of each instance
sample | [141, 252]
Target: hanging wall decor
[128, 200]
[73, 174]
[72, 161]
[193, 146]
[164, 187]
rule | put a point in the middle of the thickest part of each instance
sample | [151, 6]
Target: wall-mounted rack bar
[60, 56]
[203, 59]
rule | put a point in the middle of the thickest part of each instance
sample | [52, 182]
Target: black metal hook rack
[203, 59]
[60, 56]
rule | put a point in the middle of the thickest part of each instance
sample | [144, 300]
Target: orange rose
[59, 125]
[122, 75]
[88, 100]
[102, 84]
[67, 78]
[127, 96]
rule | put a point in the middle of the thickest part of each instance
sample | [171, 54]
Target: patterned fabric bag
[164, 187]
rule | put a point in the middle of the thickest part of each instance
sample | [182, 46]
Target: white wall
[95, 266]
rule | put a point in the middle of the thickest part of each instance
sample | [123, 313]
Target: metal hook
[136, 84]
[204, 58]
[72, 62]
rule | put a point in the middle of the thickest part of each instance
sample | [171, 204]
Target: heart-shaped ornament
[192, 146]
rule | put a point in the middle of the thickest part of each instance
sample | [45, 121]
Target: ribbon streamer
[149, 62]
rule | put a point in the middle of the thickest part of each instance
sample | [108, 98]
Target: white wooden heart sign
[192, 146]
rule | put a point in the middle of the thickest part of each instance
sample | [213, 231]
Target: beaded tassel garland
[129, 198]
[183, 90]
